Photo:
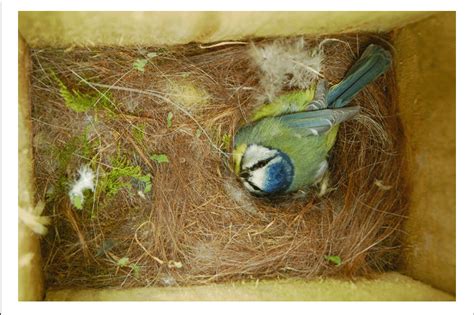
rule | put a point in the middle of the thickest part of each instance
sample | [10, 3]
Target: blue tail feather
[373, 62]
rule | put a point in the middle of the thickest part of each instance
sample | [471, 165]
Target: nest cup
[155, 125]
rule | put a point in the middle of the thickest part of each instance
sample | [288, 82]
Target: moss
[121, 175]
[81, 102]
[226, 141]
[67, 156]
[187, 94]
[138, 132]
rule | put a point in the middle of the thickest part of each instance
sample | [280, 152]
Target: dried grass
[198, 225]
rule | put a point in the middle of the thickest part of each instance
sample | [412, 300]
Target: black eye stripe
[255, 187]
[260, 164]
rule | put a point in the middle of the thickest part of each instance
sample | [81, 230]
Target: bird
[285, 145]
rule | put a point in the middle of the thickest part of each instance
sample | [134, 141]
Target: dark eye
[259, 164]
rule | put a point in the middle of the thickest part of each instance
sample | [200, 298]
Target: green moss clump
[140, 64]
[81, 102]
[138, 132]
[187, 94]
[120, 176]
[67, 155]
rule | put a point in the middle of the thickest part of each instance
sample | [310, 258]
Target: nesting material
[286, 64]
[83, 183]
[154, 126]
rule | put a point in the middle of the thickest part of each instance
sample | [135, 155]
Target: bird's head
[263, 170]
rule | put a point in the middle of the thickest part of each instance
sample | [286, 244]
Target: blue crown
[279, 175]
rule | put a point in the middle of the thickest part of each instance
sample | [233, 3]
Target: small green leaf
[160, 158]
[226, 139]
[138, 132]
[147, 187]
[77, 202]
[122, 262]
[198, 133]
[140, 64]
[151, 55]
[169, 119]
[136, 269]
[147, 180]
[334, 259]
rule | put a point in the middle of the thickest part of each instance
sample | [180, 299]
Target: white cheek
[258, 178]
[256, 153]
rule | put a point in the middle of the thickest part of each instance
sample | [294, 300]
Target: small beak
[244, 175]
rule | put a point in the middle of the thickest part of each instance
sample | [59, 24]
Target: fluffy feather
[286, 63]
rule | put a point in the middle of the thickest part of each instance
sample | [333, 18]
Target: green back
[287, 103]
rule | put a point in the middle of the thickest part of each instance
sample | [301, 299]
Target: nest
[155, 126]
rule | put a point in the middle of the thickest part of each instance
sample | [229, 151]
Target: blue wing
[373, 62]
[318, 121]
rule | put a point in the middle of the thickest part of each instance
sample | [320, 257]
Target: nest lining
[193, 223]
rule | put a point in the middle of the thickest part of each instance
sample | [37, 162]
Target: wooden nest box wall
[424, 66]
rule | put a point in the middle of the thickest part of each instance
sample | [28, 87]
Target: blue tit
[286, 144]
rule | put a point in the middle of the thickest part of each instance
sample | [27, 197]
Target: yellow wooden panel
[426, 76]
[62, 29]
[387, 287]
[30, 278]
